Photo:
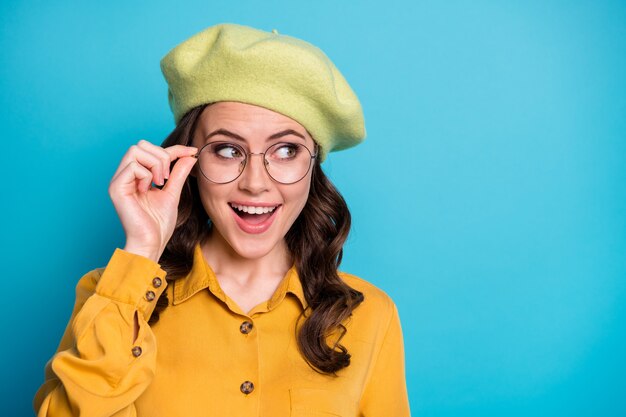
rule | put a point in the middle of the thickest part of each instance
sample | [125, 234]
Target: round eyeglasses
[224, 162]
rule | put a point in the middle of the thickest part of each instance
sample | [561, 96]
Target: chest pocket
[314, 402]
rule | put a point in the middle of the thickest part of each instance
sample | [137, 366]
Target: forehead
[246, 120]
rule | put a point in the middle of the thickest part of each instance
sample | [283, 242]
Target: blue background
[489, 198]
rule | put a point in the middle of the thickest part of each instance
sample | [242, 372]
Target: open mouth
[253, 215]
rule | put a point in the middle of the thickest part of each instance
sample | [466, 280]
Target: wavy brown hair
[315, 241]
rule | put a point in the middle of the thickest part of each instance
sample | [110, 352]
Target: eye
[227, 151]
[285, 151]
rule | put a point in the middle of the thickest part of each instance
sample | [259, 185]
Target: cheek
[298, 197]
[211, 201]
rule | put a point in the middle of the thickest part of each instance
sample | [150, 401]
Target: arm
[385, 393]
[99, 369]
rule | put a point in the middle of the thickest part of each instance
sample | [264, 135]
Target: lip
[255, 229]
[254, 204]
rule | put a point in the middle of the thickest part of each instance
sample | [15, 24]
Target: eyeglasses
[224, 162]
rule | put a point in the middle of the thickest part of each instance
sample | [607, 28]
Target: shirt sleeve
[98, 369]
[385, 393]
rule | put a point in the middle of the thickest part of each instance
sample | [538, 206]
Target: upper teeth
[253, 209]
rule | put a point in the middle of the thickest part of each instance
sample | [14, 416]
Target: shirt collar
[201, 276]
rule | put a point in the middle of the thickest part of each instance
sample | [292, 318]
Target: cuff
[132, 279]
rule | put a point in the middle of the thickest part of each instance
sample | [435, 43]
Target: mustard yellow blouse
[205, 357]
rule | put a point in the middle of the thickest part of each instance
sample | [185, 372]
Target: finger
[179, 174]
[131, 179]
[155, 162]
[178, 151]
[143, 178]
[160, 153]
[144, 158]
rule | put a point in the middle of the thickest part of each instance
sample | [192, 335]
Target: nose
[254, 177]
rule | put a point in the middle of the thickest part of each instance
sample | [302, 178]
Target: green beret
[229, 62]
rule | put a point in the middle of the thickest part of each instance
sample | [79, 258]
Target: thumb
[179, 174]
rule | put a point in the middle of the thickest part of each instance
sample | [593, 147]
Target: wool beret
[230, 62]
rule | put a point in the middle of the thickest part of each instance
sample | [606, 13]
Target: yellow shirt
[205, 357]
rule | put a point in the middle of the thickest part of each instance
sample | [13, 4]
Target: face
[253, 213]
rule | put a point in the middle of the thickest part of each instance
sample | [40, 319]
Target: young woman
[226, 299]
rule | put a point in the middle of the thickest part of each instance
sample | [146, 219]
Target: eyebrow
[235, 136]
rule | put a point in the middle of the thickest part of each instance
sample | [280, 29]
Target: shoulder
[371, 292]
[377, 305]
[372, 322]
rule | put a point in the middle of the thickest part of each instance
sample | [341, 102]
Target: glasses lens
[221, 162]
[288, 162]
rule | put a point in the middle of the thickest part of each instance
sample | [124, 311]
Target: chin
[254, 244]
[252, 249]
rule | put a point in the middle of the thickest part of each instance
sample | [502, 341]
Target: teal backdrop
[489, 198]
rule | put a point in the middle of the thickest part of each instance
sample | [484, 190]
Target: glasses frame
[265, 161]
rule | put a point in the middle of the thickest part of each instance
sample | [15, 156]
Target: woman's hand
[148, 214]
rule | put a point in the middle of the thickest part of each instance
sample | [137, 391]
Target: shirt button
[246, 327]
[156, 282]
[136, 351]
[150, 295]
[247, 387]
